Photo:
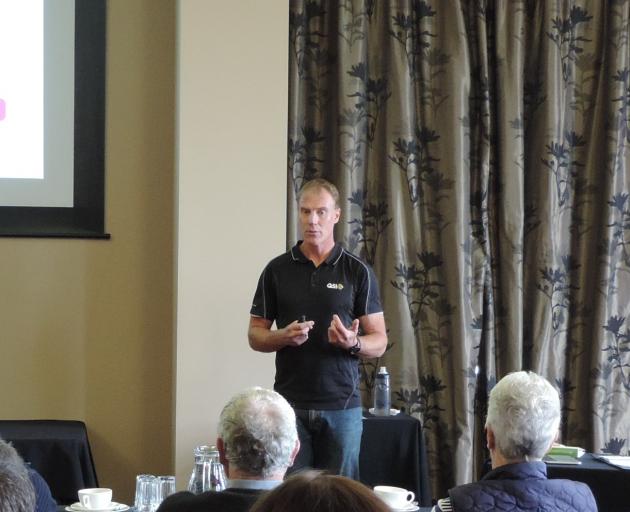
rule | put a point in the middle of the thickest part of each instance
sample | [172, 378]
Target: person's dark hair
[16, 490]
[320, 184]
[314, 491]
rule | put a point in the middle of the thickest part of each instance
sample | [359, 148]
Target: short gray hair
[8, 453]
[524, 414]
[259, 432]
[16, 489]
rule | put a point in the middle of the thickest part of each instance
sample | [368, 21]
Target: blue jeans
[329, 440]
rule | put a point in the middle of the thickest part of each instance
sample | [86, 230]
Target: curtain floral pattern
[481, 149]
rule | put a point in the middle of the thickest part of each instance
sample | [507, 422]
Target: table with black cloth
[393, 453]
[58, 450]
[610, 485]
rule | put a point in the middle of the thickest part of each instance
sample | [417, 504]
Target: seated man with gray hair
[16, 490]
[44, 501]
[257, 443]
[522, 424]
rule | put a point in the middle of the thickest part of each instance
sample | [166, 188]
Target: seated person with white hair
[16, 490]
[522, 424]
[257, 443]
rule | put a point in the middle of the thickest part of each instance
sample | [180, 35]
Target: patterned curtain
[481, 149]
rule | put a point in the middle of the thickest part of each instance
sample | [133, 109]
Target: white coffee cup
[96, 498]
[395, 497]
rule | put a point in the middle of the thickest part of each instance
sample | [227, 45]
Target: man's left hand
[340, 336]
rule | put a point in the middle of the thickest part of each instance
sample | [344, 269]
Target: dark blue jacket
[44, 501]
[522, 487]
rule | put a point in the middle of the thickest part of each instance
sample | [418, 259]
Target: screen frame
[86, 219]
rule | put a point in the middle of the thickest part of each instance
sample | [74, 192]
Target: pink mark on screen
[3, 109]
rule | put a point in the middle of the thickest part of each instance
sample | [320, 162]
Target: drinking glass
[146, 493]
[165, 487]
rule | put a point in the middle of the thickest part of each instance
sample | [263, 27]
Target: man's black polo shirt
[317, 375]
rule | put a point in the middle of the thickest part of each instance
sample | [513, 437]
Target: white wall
[232, 115]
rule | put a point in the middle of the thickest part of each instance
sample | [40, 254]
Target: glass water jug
[208, 473]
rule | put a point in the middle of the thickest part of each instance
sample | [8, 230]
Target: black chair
[59, 450]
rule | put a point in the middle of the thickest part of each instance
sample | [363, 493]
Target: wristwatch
[356, 348]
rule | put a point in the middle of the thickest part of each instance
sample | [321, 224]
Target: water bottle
[381, 393]
[208, 473]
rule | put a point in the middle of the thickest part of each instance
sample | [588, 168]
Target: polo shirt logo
[335, 286]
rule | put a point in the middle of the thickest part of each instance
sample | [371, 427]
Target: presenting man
[325, 303]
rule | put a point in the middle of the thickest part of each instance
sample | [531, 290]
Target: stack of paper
[620, 461]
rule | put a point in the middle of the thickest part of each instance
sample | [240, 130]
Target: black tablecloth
[610, 485]
[58, 450]
[393, 453]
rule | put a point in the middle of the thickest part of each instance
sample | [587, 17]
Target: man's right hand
[263, 339]
[296, 333]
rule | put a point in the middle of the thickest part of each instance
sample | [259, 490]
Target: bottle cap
[382, 369]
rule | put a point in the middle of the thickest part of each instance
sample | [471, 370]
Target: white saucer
[113, 507]
[392, 412]
[411, 507]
